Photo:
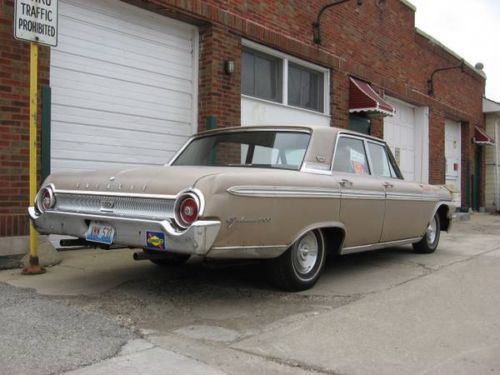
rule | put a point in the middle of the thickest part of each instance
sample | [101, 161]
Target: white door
[453, 155]
[399, 132]
[123, 86]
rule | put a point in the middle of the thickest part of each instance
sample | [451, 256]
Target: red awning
[481, 138]
[363, 98]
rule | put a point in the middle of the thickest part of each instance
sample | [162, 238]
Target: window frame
[278, 97]
[195, 137]
[285, 59]
[366, 140]
[365, 149]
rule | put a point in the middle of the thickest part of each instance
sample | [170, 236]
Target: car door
[362, 204]
[407, 207]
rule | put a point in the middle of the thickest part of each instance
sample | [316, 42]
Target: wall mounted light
[316, 26]
[229, 67]
[430, 82]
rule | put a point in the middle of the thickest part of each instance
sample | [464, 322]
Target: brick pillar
[219, 93]
[377, 127]
[437, 162]
[339, 99]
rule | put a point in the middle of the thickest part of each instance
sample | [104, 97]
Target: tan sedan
[281, 193]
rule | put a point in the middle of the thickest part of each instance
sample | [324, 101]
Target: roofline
[409, 5]
[448, 50]
[495, 103]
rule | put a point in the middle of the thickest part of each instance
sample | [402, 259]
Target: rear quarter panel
[268, 208]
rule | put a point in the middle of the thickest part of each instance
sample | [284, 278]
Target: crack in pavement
[293, 364]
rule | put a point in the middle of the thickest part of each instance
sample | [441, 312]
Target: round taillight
[45, 199]
[187, 210]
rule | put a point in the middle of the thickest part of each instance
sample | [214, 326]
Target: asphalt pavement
[390, 311]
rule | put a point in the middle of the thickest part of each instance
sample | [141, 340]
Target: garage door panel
[89, 118]
[145, 76]
[108, 16]
[76, 165]
[80, 136]
[138, 92]
[122, 86]
[121, 47]
[109, 103]
[132, 58]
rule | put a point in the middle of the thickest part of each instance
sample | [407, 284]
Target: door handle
[345, 182]
[388, 185]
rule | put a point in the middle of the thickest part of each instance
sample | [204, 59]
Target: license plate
[100, 232]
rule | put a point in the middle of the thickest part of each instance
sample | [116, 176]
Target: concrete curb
[18, 257]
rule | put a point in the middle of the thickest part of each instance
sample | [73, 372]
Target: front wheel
[300, 266]
[430, 240]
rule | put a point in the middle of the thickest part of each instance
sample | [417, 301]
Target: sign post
[35, 21]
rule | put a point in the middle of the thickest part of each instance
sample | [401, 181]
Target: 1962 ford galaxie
[286, 194]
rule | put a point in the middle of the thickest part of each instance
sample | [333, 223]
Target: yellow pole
[34, 266]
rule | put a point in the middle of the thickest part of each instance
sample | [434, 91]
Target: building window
[305, 87]
[271, 75]
[261, 75]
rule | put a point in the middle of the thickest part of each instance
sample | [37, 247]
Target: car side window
[379, 161]
[350, 156]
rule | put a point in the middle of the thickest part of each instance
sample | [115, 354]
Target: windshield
[260, 149]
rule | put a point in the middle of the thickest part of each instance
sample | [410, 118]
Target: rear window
[259, 149]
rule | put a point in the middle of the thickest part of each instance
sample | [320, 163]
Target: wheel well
[334, 238]
[443, 217]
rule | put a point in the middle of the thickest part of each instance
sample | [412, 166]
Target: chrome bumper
[196, 240]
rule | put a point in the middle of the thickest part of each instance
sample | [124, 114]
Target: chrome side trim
[362, 194]
[325, 172]
[376, 246]
[115, 193]
[247, 252]
[283, 192]
[411, 197]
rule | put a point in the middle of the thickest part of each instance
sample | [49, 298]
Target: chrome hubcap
[305, 253]
[431, 231]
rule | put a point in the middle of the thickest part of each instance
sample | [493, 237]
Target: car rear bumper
[196, 240]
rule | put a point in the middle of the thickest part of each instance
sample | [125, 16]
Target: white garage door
[399, 132]
[453, 155]
[123, 86]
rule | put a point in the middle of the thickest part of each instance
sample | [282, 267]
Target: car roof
[310, 128]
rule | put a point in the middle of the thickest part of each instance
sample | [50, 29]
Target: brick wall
[14, 129]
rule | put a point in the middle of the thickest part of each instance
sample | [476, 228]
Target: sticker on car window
[358, 162]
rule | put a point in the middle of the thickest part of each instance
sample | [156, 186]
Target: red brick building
[130, 81]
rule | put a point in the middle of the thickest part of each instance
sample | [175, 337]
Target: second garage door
[399, 132]
[123, 86]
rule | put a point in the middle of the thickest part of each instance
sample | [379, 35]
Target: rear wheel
[430, 240]
[300, 266]
[167, 259]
